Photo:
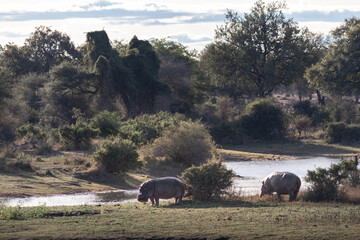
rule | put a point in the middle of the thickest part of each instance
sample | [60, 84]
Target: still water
[249, 181]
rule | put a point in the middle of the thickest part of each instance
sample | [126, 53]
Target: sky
[189, 22]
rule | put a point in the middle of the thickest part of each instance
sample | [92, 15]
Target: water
[93, 198]
[251, 174]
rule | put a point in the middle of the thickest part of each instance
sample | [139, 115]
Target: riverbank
[232, 219]
[73, 172]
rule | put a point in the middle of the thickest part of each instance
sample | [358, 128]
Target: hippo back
[282, 182]
[168, 187]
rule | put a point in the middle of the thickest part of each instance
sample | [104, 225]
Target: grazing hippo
[166, 187]
[281, 183]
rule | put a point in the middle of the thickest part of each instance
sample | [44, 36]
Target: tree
[47, 48]
[180, 71]
[254, 54]
[338, 72]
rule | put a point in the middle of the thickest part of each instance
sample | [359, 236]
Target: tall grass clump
[117, 156]
[208, 181]
[189, 143]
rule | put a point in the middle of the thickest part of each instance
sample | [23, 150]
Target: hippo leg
[152, 201]
[278, 196]
[292, 196]
[157, 201]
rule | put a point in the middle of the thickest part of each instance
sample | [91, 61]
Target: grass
[286, 149]
[227, 220]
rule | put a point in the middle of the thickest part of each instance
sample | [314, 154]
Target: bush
[264, 120]
[317, 114]
[325, 182]
[107, 122]
[189, 143]
[208, 181]
[301, 123]
[341, 132]
[117, 156]
[31, 133]
[77, 136]
[145, 128]
[228, 133]
[342, 110]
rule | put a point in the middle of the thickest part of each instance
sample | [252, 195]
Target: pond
[249, 181]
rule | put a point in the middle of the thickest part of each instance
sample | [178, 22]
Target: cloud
[186, 39]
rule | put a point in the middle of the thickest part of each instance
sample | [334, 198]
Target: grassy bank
[228, 220]
[71, 172]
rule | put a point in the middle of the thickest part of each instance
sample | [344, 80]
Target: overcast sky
[190, 22]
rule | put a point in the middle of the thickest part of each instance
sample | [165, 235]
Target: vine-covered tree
[254, 54]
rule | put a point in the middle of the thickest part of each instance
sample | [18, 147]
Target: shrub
[107, 122]
[264, 120]
[189, 143]
[317, 114]
[301, 123]
[77, 136]
[31, 134]
[342, 110]
[341, 132]
[145, 128]
[117, 156]
[325, 182]
[208, 181]
[228, 133]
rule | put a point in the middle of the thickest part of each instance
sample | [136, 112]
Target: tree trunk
[321, 99]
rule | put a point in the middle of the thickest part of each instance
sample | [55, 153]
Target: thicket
[188, 143]
[77, 136]
[117, 156]
[325, 183]
[208, 181]
[339, 132]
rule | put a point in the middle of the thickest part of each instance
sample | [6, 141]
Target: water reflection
[73, 199]
[252, 172]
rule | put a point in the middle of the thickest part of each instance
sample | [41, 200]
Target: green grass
[232, 220]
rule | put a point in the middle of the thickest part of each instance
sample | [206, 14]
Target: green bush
[264, 120]
[324, 183]
[145, 128]
[107, 122]
[189, 143]
[228, 133]
[31, 134]
[342, 110]
[117, 156]
[301, 123]
[77, 136]
[208, 181]
[317, 114]
[341, 132]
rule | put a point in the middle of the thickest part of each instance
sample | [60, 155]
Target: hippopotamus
[165, 187]
[281, 183]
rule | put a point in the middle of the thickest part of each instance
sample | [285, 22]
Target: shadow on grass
[227, 204]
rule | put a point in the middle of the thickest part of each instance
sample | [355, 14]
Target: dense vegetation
[130, 104]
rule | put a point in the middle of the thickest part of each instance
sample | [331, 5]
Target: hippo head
[143, 195]
[263, 189]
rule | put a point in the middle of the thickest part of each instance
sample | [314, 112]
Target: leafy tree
[48, 48]
[16, 59]
[338, 71]
[70, 87]
[180, 71]
[254, 54]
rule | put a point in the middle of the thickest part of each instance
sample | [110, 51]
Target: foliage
[208, 181]
[145, 128]
[341, 133]
[107, 122]
[188, 143]
[342, 110]
[77, 136]
[301, 123]
[254, 54]
[325, 182]
[118, 156]
[317, 114]
[31, 133]
[264, 120]
[70, 87]
[338, 71]
[180, 72]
